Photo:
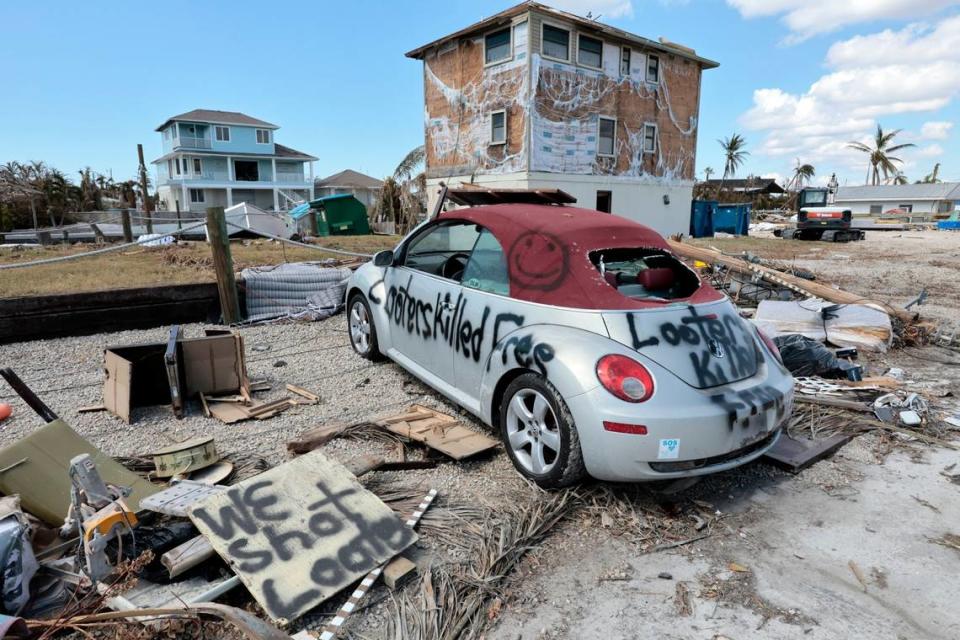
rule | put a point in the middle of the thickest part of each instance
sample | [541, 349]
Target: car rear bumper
[690, 434]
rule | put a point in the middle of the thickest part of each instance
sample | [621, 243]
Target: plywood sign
[301, 532]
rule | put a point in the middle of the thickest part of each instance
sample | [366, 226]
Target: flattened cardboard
[116, 385]
[438, 431]
[212, 365]
[300, 532]
[36, 468]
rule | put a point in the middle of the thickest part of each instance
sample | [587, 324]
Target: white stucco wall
[637, 200]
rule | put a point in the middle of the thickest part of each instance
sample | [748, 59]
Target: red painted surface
[547, 249]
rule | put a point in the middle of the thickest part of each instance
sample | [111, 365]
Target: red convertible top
[548, 247]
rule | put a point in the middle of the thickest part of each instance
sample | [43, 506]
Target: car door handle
[446, 305]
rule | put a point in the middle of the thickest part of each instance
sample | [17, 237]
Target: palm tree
[411, 180]
[734, 154]
[899, 178]
[802, 173]
[880, 159]
[707, 173]
[933, 176]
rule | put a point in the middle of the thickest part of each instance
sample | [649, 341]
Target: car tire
[361, 328]
[539, 434]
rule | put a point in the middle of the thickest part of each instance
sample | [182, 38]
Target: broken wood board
[230, 412]
[36, 468]
[303, 393]
[438, 431]
[300, 532]
[796, 455]
[177, 499]
[315, 438]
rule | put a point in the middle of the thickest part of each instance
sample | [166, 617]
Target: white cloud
[602, 8]
[929, 151]
[806, 18]
[936, 130]
[872, 76]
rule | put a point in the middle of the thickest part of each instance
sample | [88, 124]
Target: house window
[649, 138]
[625, 61]
[186, 169]
[653, 69]
[496, 46]
[197, 166]
[876, 208]
[167, 132]
[196, 195]
[607, 137]
[556, 43]
[222, 133]
[263, 136]
[605, 201]
[590, 52]
[498, 127]
[908, 208]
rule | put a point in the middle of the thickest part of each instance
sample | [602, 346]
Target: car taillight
[771, 345]
[625, 378]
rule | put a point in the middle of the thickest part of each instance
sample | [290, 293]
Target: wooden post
[179, 223]
[143, 190]
[127, 229]
[223, 264]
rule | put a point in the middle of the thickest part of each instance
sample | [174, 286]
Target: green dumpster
[340, 215]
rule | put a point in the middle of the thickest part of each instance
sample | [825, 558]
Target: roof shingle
[219, 117]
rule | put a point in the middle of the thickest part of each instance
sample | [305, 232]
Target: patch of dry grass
[140, 267]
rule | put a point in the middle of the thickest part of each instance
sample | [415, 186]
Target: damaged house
[537, 98]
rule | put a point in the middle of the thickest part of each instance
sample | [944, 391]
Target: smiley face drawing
[537, 261]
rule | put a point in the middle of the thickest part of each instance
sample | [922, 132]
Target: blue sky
[85, 82]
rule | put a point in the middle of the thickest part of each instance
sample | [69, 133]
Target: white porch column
[273, 163]
[230, 168]
[184, 196]
[311, 176]
[276, 200]
[229, 197]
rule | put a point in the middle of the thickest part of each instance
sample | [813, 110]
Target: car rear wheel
[539, 434]
[363, 333]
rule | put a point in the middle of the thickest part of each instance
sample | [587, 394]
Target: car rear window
[645, 274]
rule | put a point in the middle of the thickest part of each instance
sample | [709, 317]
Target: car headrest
[611, 278]
[656, 279]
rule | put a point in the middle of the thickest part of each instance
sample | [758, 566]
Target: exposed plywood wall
[554, 109]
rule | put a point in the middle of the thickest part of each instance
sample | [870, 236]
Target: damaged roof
[214, 116]
[505, 17]
[349, 178]
[922, 191]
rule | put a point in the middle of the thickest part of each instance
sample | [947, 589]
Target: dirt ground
[851, 547]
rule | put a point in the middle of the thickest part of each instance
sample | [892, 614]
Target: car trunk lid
[704, 345]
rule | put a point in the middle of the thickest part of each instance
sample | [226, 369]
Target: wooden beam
[806, 287]
[223, 264]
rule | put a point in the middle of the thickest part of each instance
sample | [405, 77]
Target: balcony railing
[191, 142]
[206, 176]
[290, 178]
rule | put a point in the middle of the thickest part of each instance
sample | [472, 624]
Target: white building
[917, 201]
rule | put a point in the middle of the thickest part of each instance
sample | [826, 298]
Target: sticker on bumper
[669, 448]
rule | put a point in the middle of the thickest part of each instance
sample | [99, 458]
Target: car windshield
[645, 274]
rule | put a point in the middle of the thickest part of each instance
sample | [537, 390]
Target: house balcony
[191, 142]
[218, 179]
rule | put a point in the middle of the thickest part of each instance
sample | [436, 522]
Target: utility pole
[223, 264]
[127, 229]
[143, 189]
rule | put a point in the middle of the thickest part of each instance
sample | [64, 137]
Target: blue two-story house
[221, 158]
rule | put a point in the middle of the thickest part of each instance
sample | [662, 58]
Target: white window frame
[582, 64]
[629, 53]
[646, 69]
[569, 40]
[656, 137]
[217, 128]
[197, 172]
[614, 145]
[509, 29]
[201, 196]
[505, 131]
[267, 135]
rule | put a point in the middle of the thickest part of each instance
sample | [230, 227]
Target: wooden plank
[228, 412]
[438, 431]
[316, 438]
[300, 391]
[798, 454]
[397, 572]
[333, 531]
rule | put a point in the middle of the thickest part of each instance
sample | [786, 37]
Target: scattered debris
[950, 540]
[185, 457]
[681, 600]
[737, 568]
[300, 391]
[858, 574]
[846, 325]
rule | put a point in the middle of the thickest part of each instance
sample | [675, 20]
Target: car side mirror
[383, 258]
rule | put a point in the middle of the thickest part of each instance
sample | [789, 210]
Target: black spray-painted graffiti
[749, 407]
[255, 511]
[720, 349]
[538, 260]
[442, 319]
[526, 352]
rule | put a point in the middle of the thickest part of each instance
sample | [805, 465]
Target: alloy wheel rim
[533, 433]
[360, 327]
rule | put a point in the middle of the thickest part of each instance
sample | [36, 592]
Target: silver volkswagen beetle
[577, 335]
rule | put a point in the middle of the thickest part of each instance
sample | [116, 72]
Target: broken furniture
[159, 373]
[850, 325]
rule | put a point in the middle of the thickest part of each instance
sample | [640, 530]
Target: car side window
[487, 268]
[443, 250]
